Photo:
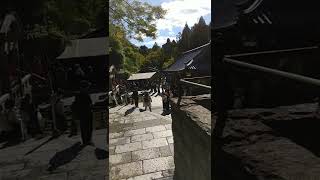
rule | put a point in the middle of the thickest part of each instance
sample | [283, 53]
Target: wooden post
[220, 95]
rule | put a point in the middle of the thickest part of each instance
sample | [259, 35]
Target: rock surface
[275, 143]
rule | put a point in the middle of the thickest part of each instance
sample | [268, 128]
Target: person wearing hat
[82, 107]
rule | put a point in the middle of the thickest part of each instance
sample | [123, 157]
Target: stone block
[135, 132]
[170, 140]
[165, 151]
[154, 143]
[120, 158]
[156, 128]
[158, 164]
[115, 135]
[168, 126]
[141, 137]
[128, 147]
[147, 176]
[161, 134]
[119, 141]
[145, 154]
[128, 170]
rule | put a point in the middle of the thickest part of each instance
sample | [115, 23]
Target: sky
[179, 12]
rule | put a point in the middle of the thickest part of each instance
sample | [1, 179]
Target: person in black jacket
[83, 111]
[135, 97]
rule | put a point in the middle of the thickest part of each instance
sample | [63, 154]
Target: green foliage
[168, 62]
[64, 17]
[144, 50]
[131, 20]
[135, 17]
[50, 24]
[137, 20]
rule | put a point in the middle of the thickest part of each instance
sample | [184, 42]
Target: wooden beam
[273, 52]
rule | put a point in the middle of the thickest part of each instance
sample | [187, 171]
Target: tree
[132, 20]
[167, 49]
[153, 59]
[135, 17]
[144, 50]
[184, 42]
[155, 47]
[200, 33]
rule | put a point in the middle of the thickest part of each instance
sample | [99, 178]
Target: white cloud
[181, 11]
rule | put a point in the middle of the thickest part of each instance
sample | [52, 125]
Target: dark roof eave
[253, 7]
[202, 46]
[225, 26]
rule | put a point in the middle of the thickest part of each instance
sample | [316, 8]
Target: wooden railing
[187, 82]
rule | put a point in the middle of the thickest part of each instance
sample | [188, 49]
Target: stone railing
[191, 127]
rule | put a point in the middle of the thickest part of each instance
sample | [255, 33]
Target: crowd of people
[121, 90]
[22, 118]
[71, 77]
[12, 126]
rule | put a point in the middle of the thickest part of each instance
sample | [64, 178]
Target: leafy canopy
[136, 18]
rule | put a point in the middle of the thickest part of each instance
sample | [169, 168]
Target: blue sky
[179, 12]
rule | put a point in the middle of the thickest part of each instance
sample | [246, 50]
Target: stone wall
[191, 127]
[270, 144]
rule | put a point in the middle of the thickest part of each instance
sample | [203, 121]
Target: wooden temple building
[190, 64]
[88, 51]
[142, 81]
[281, 35]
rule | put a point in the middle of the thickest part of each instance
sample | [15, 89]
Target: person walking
[164, 103]
[135, 98]
[60, 116]
[147, 101]
[125, 95]
[168, 95]
[78, 75]
[114, 96]
[15, 125]
[83, 111]
[25, 113]
[74, 120]
[158, 85]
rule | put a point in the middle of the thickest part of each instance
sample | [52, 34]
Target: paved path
[31, 159]
[140, 143]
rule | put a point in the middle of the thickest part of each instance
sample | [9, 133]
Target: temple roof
[190, 59]
[85, 48]
[141, 76]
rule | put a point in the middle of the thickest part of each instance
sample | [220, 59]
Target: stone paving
[140, 143]
[68, 160]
